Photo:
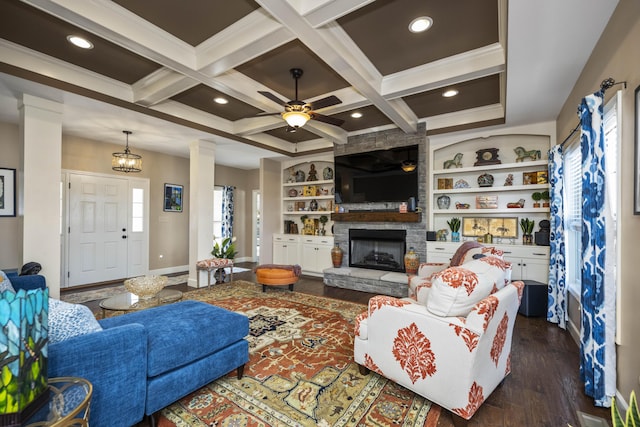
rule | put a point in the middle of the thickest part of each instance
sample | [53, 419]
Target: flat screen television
[376, 176]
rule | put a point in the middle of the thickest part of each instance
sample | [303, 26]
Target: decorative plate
[461, 183]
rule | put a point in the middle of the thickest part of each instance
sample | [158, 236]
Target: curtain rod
[606, 84]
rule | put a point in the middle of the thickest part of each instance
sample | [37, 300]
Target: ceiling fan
[296, 113]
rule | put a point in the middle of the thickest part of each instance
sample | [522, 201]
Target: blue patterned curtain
[557, 312]
[227, 211]
[597, 344]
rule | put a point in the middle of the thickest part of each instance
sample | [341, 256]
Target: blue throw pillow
[70, 320]
[5, 283]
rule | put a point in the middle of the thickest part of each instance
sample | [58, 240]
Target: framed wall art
[497, 227]
[7, 192]
[172, 198]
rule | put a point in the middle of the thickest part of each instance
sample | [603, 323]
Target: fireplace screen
[377, 249]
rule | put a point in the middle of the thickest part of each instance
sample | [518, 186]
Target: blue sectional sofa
[143, 361]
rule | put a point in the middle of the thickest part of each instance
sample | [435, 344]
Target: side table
[534, 299]
[67, 404]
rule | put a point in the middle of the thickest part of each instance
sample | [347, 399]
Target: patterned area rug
[301, 370]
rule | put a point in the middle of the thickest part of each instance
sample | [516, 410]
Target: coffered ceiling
[169, 59]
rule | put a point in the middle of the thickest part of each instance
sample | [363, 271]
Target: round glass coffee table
[129, 302]
[68, 400]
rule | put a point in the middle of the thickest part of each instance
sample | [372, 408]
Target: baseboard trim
[169, 270]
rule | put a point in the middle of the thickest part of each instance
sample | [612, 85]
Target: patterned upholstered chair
[451, 345]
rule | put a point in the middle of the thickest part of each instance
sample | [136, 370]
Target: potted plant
[454, 225]
[545, 197]
[323, 220]
[537, 196]
[526, 225]
[225, 250]
[633, 416]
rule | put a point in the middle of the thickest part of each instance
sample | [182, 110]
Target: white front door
[98, 229]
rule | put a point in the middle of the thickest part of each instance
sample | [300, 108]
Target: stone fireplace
[380, 217]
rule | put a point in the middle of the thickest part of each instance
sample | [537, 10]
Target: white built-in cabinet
[316, 253]
[286, 249]
[529, 262]
[313, 199]
[451, 165]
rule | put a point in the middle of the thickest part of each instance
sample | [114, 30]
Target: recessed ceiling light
[221, 100]
[356, 115]
[80, 42]
[449, 93]
[420, 24]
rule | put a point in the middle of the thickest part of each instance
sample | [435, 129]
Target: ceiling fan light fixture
[408, 166]
[126, 161]
[296, 119]
[420, 24]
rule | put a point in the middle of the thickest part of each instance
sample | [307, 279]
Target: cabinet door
[535, 269]
[285, 252]
[324, 257]
[309, 257]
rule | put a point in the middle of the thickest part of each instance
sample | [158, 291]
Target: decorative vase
[455, 236]
[444, 202]
[411, 261]
[313, 205]
[336, 256]
[327, 173]
[527, 239]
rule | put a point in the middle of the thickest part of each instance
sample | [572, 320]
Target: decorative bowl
[145, 287]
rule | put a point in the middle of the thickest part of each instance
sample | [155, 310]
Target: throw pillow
[70, 320]
[456, 290]
[5, 283]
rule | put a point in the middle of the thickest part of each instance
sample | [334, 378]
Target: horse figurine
[522, 154]
[456, 161]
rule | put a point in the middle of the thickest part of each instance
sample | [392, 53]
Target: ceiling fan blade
[325, 102]
[326, 119]
[264, 113]
[272, 97]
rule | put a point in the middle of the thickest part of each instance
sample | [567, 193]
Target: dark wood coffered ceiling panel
[192, 21]
[272, 70]
[41, 32]
[371, 117]
[381, 30]
[202, 98]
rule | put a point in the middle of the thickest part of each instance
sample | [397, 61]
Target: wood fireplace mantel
[376, 217]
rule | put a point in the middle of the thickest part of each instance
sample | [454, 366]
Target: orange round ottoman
[277, 275]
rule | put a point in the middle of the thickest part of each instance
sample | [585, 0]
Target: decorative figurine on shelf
[485, 180]
[313, 206]
[518, 204]
[487, 156]
[522, 154]
[509, 180]
[292, 175]
[442, 234]
[456, 161]
[462, 205]
[313, 174]
[327, 173]
[299, 176]
[461, 183]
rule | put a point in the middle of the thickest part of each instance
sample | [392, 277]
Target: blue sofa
[143, 361]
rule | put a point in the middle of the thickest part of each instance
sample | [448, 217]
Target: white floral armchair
[454, 345]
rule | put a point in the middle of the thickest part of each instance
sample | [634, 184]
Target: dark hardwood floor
[543, 390]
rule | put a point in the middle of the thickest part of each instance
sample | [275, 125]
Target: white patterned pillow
[70, 320]
[456, 290]
[5, 283]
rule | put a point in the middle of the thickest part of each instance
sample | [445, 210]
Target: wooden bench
[212, 265]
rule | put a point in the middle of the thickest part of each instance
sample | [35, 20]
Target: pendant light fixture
[126, 161]
[408, 165]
